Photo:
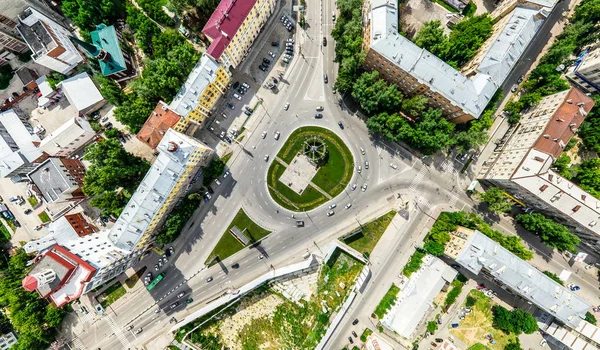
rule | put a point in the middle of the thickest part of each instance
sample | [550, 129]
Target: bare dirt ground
[414, 13]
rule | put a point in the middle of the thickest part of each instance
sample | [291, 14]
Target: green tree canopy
[551, 233]
[109, 89]
[375, 94]
[415, 105]
[434, 248]
[515, 321]
[496, 200]
[431, 37]
[134, 112]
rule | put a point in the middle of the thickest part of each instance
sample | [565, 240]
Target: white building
[48, 41]
[18, 146]
[7, 340]
[585, 72]
[522, 163]
[82, 93]
[68, 138]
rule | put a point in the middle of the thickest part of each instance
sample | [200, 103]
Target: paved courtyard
[299, 173]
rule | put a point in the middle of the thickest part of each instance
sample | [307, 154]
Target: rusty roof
[161, 119]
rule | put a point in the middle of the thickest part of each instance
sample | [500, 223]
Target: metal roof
[204, 73]
[18, 143]
[81, 91]
[105, 37]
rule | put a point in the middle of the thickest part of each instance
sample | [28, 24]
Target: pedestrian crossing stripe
[118, 333]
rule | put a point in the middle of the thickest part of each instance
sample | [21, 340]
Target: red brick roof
[564, 123]
[157, 124]
[224, 23]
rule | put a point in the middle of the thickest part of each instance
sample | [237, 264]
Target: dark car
[354, 334]
[318, 116]
[275, 43]
[187, 301]
[324, 41]
[341, 125]
[521, 79]
[261, 67]
[299, 223]
[174, 305]
[266, 61]
[439, 340]
[108, 126]
[236, 84]
[433, 344]
[18, 224]
[235, 266]
[248, 113]
[28, 211]
[350, 340]
[355, 322]
[325, 79]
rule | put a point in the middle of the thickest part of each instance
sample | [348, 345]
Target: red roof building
[161, 119]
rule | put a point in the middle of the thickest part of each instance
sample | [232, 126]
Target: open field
[370, 233]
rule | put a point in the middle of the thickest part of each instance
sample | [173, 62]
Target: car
[362, 151]
[130, 327]
[332, 206]
[230, 106]
[246, 86]
[155, 267]
[290, 40]
[209, 279]
[248, 113]
[286, 106]
[520, 80]
[283, 18]
[274, 43]
[319, 109]
[222, 134]
[366, 164]
[189, 300]
[353, 187]
[354, 334]
[393, 166]
[514, 88]
[433, 344]
[277, 134]
[266, 60]
[235, 265]
[355, 322]
[138, 331]
[325, 79]
[160, 263]
[572, 287]
[226, 174]
[350, 340]
[330, 213]
[341, 125]
[324, 41]
[237, 96]
[348, 206]
[318, 116]
[108, 126]
[289, 28]
[299, 223]
[104, 119]
[217, 182]
[180, 294]
[174, 305]
[266, 157]
[333, 16]
[359, 169]
[17, 223]
[286, 60]
[364, 187]
[149, 275]
[264, 69]
[28, 211]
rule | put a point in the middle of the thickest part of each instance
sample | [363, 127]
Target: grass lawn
[478, 346]
[478, 324]
[370, 233]
[111, 294]
[332, 177]
[388, 300]
[228, 245]
[286, 197]
[446, 6]
[44, 217]
[32, 201]
[11, 224]
[226, 157]
[4, 233]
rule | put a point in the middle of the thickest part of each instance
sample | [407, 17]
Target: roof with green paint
[106, 38]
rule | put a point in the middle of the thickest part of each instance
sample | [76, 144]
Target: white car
[237, 96]
[332, 206]
[393, 166]
[362, 151]
[348, 205]
[226, 174]
[271, 54]
[366, 164]
[359, 169]
[277, 135]
[287, 106]
[266, 157]
[330, 213]
[364, 187]
[217, 182]
[246, 86]
[264, 134]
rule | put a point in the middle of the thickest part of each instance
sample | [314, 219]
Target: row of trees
[515, 321]
[463, 42]
[112, 176]
[551, 233]
[87, 14]
[178, 218]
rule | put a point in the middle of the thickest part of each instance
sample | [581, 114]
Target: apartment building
[233, 27]
[522, 162]
[505, 7]
[19, 152]
[68, 138]
[585, 72]
[48, 41]
[7, 340]
[58, 179]
[108, 253]
[82, 93]
[199, 94]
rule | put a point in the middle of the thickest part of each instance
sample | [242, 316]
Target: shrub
[414, 263]
[590, 318]
[432, 326]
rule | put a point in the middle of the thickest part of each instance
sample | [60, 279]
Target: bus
[156, 281]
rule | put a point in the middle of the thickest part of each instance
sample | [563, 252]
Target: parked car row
[289, 50]
[287, 23]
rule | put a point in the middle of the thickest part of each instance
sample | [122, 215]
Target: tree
[430, 134]
[110, 202]
[434, 248]
[133, 113]
[470, 9]
[466, 38]
[496, 200]
[110, 90]
[562, 164]
[432, 326]
[554, 277]
[215, 168]
[415, 105]
[375, 94]
[513, 345]
[551, 233]
[112, 133]
[470, 139]
[590, 318]
[589, 132]
[515, 321]
[87, 14]
[431, 37]
[588, 176]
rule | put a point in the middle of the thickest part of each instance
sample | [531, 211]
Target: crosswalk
[77, 344]
[85, 317]
[448, 167]
[417, 180]
[117, 331]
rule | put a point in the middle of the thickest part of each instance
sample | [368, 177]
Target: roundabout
[313, 166]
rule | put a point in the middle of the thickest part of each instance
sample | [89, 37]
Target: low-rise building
[68, 138]
[58, 179]
[48, 41]
[82, 93]
[233, 27]
[155, 127]
[199, 94]
[522, 162]
[585, 72]
[482, 256]
[7, 340]
[19, 152]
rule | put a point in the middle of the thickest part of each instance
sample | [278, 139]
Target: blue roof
[106, 38]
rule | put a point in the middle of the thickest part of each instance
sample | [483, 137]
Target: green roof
[106, 38]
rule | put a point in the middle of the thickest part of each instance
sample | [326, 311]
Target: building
[7, 340]
[233, 27]
[585, 337]
[179, 159]
[522, 162]
[416, 297]
[19, 150]
[505, 7]
[48, 41]
[585, 72]
[106, 48]
[512, 35]
[47, 95]
[82, 93]
[155, 127]
[482, 256]
[417, 71]
[199, 94]
[11, 42]
[58, 179]
[111, 252]
[68, 138]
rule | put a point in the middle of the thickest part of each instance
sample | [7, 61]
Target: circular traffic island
[313, 166]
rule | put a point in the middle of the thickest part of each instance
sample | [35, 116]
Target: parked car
[237, 96]
[341, 125]
[325, 79]
[355, 322]
[393, 166]
[514, 88]
[263, 68]
[275, 43]
[266, 61]
[324, 41]
[174, 305]
[271, 54]
[318, 116]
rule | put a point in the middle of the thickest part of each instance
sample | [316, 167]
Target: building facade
[233, 27]
[585, 72]
[48, 41]
[199, 95]
[522, 163]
